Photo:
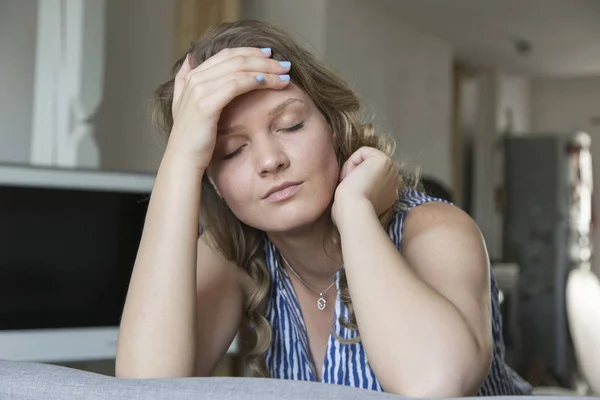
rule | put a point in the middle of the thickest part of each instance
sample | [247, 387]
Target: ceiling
[564, 34]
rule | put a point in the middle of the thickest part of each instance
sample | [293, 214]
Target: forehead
[258, 103]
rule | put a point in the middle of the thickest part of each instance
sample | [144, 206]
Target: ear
[215, 186]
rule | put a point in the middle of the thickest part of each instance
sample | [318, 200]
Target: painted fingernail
[260, 78]
[285, 64]
[266, 50]
[284, 77]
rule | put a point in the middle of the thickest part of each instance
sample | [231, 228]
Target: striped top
[346, 364]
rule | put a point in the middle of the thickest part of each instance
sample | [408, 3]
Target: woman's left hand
[368, 175]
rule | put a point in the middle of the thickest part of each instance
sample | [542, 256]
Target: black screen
[66, 256]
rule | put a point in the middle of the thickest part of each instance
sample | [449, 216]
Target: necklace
[321, 302]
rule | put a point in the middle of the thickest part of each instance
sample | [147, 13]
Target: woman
[266, 149]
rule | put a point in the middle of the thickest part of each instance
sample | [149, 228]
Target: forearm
[157, 332]
[418, 342]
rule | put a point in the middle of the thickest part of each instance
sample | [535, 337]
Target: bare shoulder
[438, 218]
[445, 247]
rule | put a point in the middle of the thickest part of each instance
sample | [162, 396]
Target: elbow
[137, 363]
[442, 389]
[132, 370]
[123, 369]
[141, 373]
[447, 385]
[457, 378]
[128, 370]
[125, 373]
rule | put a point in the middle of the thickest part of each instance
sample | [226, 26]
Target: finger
[355, 160]
[180, 78]
[232, 87]
[204, 89]
[234, 52]
[237, 64]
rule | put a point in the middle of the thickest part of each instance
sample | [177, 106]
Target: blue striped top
[347, 364]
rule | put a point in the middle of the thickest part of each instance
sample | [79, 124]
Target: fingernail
[285, 64]
[284, 77]
[266, 50]
[260, 78]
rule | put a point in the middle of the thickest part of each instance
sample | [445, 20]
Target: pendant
[321, 303]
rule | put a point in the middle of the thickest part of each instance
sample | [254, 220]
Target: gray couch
[21, 381]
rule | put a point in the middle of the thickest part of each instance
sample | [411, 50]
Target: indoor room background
[496, 103]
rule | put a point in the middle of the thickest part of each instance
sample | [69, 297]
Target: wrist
[351, 209]
[181, 160]
[179, 172]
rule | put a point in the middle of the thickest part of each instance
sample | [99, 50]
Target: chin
[294, 216]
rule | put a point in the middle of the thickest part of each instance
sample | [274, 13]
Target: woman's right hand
[201, 93]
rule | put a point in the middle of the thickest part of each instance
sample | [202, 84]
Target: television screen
[66, 255]
[68, 242]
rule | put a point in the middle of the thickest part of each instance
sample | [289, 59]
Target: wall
[403, 75]
[139, 56]
[305, 19]
[561, 105]
[18, 20]
[566, 104]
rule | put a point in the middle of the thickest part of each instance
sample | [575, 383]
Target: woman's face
[274, 163]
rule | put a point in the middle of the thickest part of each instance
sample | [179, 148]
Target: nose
[270, 156]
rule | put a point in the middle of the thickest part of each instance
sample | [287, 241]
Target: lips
[282, 192]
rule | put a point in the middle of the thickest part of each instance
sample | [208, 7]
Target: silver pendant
[321, 303]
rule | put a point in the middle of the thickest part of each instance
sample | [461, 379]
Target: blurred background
[497, 102]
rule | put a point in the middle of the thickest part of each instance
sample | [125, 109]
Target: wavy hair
[338, 103]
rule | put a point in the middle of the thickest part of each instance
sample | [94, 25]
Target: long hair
[337, 102]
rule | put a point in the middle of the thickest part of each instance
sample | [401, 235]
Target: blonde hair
[339, 104]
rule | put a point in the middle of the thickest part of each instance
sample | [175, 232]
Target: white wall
[403, 76]
[561, 105]
[18, 20]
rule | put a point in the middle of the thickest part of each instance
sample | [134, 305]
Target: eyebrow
[275, 111]
[279, 109]
[231, 129]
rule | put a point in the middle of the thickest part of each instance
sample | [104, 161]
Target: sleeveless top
[289, 356]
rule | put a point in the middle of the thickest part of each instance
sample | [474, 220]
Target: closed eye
[233, 154]
[295, 127]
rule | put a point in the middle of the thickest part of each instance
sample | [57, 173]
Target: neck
[310, 252]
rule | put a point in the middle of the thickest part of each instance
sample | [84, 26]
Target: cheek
[235, 190]
[225, 180]
[321, 162]
[322, 152]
